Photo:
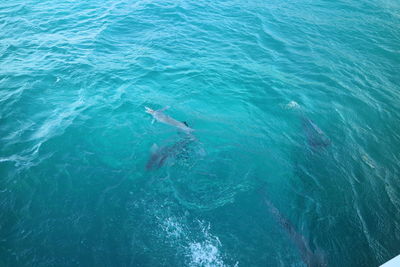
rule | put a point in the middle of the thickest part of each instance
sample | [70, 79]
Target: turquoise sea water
[294, 103]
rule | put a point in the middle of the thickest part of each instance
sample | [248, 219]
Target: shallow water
[75, 140]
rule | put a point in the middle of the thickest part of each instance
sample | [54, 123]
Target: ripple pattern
[262, 83]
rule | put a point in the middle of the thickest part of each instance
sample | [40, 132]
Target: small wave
[26, 158]
[367, 160]
[59, 121]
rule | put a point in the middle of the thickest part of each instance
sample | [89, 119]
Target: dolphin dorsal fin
[153, 148]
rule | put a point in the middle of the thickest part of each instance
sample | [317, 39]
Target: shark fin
[184, 122]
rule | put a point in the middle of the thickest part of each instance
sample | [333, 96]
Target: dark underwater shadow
[311, 257]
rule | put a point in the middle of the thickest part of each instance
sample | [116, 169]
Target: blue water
[294, 103]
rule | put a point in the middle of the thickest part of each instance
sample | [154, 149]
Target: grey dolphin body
[316, 138]
[161, 117]
[312, 259]
[160, 155]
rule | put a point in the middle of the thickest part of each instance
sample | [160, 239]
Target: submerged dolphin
[161, 117]
[159, 155]
[316, 138]
[312, 259]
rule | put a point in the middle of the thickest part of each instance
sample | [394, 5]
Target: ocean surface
[295, 155]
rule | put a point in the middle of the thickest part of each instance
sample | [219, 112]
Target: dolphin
[316, 138]
[310, 258]
[159, 155]
[161, 117]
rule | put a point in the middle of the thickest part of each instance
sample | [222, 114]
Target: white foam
[173, 228]
[206, 252]
[200, 247]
